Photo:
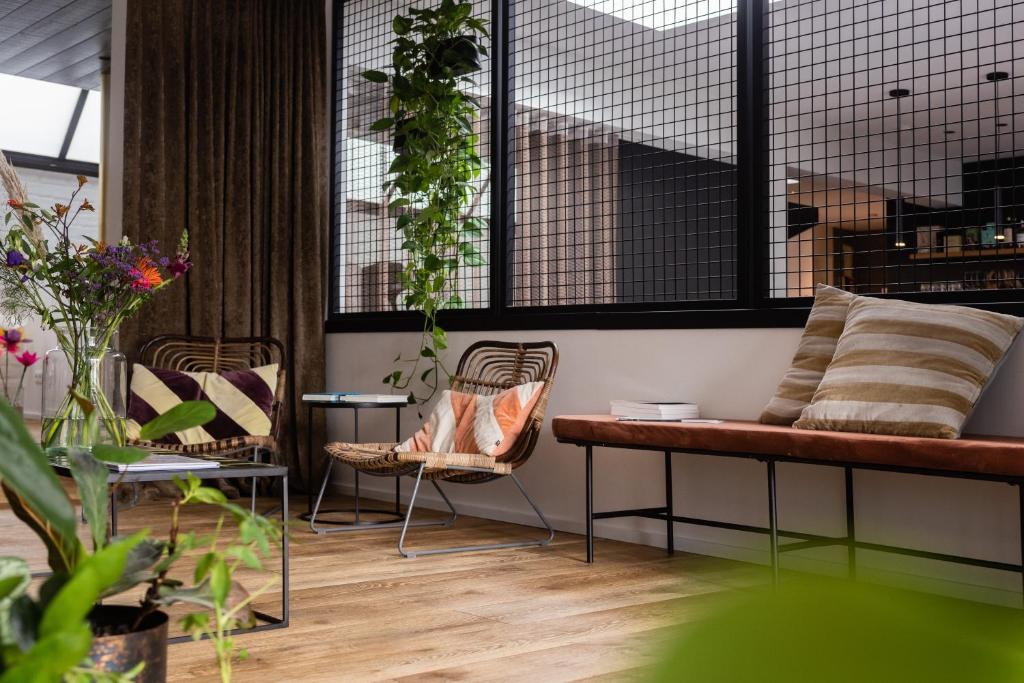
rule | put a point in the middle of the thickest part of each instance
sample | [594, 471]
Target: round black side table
[356, 510]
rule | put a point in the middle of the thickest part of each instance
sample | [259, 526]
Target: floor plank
[361, 612]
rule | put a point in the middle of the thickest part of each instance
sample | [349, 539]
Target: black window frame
[752, 308]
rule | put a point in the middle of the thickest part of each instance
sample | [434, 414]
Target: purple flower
[15, 258]
[179, 266]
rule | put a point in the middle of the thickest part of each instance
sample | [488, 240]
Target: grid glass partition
[895, 159]
[368, 256]
[622, 184]
[885, 155]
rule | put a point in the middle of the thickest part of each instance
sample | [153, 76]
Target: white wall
[731, 373]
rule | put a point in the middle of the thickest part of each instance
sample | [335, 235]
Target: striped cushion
[472, 423]
[244, 400]
[909, 369]
[813, 353]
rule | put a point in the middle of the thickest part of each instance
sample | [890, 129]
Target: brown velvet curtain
[226, 135]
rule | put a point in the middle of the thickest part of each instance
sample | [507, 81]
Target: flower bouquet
[11, 341]
[81, 291]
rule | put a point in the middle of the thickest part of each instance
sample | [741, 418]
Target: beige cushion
[813, 353]
[909, 369]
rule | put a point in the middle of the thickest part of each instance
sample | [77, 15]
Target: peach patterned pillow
[472, 423]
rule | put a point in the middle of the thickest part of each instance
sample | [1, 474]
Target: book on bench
[655, 410]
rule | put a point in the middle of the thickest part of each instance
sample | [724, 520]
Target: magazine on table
[353, 397]
[163, 461]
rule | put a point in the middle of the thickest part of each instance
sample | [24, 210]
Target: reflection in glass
[883, 194]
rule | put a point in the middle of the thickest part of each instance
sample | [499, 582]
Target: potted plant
[431, 119]
[63, 632]
[82, 292]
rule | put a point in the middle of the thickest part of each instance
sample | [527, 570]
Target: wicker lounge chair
[210, 354]
[487, 367]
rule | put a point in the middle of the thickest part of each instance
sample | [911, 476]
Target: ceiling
[62, 41]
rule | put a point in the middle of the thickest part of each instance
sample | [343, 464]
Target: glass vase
[96, 373]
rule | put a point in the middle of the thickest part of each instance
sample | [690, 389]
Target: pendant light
[994, 77]
[898, 94]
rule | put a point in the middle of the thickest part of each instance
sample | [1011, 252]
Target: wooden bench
[973, 457]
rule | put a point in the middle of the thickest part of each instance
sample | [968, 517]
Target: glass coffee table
[228, 468]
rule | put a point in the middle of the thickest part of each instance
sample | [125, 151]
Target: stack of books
[660, 411]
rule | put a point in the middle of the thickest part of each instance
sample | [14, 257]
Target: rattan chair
[487, 367]
[211, 354]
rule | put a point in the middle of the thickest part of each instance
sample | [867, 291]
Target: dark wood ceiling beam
[86, 74]
[22, 51]
[90, 49]
[61, 41]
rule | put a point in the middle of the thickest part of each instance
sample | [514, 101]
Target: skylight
[85, 146]
[36, 116]
[660, 15]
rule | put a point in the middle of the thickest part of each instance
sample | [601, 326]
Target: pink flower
[11, 338]
[28, 359]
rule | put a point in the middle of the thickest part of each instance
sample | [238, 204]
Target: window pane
[35, 115]
[895, 164]
[623, 188]
[85, 146]
[369, 254]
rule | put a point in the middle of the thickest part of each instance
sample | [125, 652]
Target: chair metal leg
[362, 526]
[320, 497]
[468, 548]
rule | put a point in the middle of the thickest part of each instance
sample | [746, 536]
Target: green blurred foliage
[841, 631]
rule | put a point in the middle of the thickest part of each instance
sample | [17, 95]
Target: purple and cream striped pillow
[244, 400]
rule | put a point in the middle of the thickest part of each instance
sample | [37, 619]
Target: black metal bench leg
[590, 504]
[1020, 495]
[773, 524]
[671, 541]
[851, 536]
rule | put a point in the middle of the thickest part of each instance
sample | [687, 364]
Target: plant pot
[121, 651]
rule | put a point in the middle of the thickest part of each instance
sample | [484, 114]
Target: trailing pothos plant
[433, 176]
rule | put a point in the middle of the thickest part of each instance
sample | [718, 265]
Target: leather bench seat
[997, 456]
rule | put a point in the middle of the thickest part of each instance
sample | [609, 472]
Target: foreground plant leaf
[25, 470]
[91, 477]
[185, 415]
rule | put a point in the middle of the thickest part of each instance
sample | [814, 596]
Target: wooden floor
[360, 612]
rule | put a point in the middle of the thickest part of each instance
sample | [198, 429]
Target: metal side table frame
[313, 511]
